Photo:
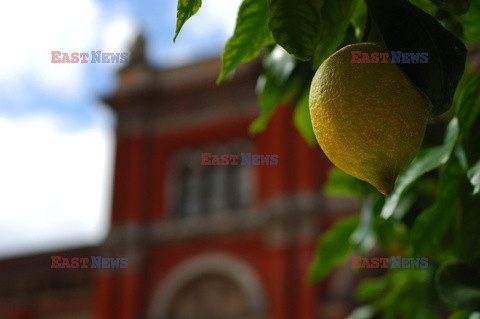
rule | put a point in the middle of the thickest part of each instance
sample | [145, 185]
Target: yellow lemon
[368, 118]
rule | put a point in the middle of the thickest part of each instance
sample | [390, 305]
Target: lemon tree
[412, 130]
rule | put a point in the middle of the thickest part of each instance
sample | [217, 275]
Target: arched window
[209, 286]
[210, 296]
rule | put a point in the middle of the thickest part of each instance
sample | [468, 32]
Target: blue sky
[56, 138]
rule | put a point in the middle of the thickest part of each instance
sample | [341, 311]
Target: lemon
[368, 118]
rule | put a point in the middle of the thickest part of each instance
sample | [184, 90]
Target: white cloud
[119, 33]
[214, 16]
[55, 184]
[118, 36]
[35, 28]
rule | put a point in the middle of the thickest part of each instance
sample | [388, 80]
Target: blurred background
[105, 160]
[56, 134]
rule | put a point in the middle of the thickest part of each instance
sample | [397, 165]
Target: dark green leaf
[294, 25]
[334, 20]
[185, 10]
[250, 36]
[458, 284]
[425, 161]
[406, 28]
[333, 247]
[310, 29]
[432, 224]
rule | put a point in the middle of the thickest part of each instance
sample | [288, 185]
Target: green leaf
[185, 10]
[425, 161]
[391, 234]
[371, 288]
[294, 25]
[432, 224]
[474, 177]
[334, 21]
[310, 29]
[468, 108]
[409, 295]
[250, 36]
[405, 203]
[301, 118]
[363, 312]
[407, 28]
[458, 283]
[465, 315]
[283, 79]
[359, 19]
[333, 247]
[471, 27]
[425, 5]
[274, 85]
[341, 184]
[364, 237]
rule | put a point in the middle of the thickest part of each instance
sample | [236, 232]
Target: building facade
[205, 241]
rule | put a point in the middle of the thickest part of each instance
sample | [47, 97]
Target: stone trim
[284, 211]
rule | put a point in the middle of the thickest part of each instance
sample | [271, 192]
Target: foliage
[434, 210]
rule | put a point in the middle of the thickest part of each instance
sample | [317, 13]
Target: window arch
[244, 296]
[209, 296]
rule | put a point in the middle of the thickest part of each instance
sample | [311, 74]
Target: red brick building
[202, 241]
